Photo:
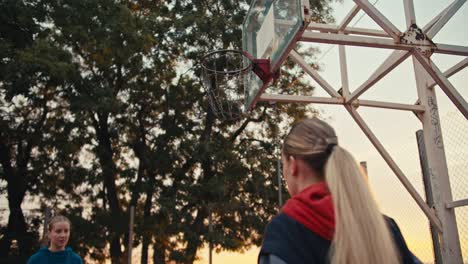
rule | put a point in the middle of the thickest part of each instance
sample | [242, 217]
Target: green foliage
[106, 97]
[34, 71]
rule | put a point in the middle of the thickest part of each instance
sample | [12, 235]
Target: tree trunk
[144, 249]
[115, 251]
[194, 242]
[109, 171]
[16, 190]
[16, 229]
[159, 253]
[146, 215]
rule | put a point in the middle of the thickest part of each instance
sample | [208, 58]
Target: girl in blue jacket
[57, 252]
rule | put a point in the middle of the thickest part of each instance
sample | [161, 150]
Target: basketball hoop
[225, 72]
[226, 75]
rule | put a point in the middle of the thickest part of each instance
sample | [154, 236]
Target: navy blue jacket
[292, 242]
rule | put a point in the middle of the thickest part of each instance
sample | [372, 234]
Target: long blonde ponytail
[361, 234]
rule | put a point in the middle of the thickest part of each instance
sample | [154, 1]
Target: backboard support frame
[427, 74]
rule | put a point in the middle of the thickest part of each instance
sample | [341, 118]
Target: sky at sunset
[395, 129]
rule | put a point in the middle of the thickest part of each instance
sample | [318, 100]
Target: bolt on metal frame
[418, 44]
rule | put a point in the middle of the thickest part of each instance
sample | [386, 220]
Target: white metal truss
[417, 43]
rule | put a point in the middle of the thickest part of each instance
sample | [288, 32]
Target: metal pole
[437, 168]
[429, 193]
[280, 186]
[130, 234]
[278, 164]
[210, 230]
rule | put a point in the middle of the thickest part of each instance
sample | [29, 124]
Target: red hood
[313, 208]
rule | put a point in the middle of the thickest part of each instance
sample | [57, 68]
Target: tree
[190, 164]
[125, 63]
[33, 72]
[230, 166]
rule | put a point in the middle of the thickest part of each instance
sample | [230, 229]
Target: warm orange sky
[249, 256]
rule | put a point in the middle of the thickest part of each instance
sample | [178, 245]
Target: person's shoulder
[75, 258]
[277, 219]
[275, 240]
[286, 226]
[278, 223]
[291, 242]
[281, 233]
[37, 258]
[280, 219]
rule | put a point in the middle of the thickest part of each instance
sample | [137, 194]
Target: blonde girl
[331, 216]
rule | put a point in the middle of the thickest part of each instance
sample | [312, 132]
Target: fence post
[210, 231]
[280, 186]
[130, 234]
[429, 193]
[438, 177]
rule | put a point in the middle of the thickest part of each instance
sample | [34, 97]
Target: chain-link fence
[455, 131]
[397, 202]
